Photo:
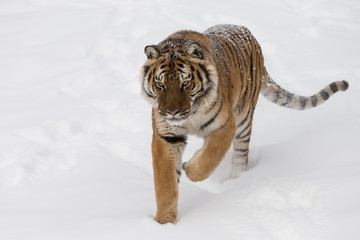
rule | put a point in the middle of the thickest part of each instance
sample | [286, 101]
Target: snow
[75, 133]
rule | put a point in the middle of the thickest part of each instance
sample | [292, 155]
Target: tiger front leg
[205, 160]
[166, 154]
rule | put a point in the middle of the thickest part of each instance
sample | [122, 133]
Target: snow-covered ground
[75, 160]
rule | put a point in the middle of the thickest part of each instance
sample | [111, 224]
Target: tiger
[207, 84]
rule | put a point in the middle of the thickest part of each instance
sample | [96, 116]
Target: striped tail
[273, 92]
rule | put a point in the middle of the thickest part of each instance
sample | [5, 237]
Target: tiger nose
[172, 112]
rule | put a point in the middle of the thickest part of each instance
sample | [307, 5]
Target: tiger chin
[207, 84]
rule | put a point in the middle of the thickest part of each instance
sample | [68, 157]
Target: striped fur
[207, 84]
[276, 94]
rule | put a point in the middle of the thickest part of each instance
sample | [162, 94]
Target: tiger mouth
[176, 118]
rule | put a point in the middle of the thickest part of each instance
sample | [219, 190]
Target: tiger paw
[166, 218]
[194, 173]
[237, 169]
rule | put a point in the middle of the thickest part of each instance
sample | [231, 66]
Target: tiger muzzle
[174, 104]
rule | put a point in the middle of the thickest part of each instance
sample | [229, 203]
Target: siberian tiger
[207, 84]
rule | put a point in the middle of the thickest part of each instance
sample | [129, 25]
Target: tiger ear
[151, 52]
[194, 50]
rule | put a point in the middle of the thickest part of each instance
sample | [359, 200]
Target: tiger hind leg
[241, 143]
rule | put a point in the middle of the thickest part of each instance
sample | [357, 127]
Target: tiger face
[177, 79]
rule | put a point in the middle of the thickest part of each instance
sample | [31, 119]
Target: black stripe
[277, 94]
[146, 69]
[152, 88]
[236, 48]
[245, 47]
[245, 141]
[334, 87]
[324, 95]
[180, 60]
[207, 91]
[180, 70]
[226, 70]
[213, 118]
[174, 139]
[206, 48]
[162, 72]
[172, 64]
[303, 101]
[152, 73]
[257, 86]
[226, 59]
[163, 61]
[212, 106]
[247, 126]
[202, 85]
[345, 85]
[231, 50]
[246, 135]
[199, 76]
[222, 126]
[201, 82]
[150, 76]
[243, 42]
[148, 94]
[242, 58]
[224, 50]
[252, 77]
[178, 172]
[245, 93]
[244, 120]
[289, 97]
[241, 149]
[314, 100]
[205, 71]
[214, 49]
[240, 45]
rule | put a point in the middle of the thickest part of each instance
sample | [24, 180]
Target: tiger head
[178, 79]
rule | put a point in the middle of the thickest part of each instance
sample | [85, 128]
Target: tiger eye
[160, 85]
[185, 84]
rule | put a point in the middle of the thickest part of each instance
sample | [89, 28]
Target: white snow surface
[75, 133]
